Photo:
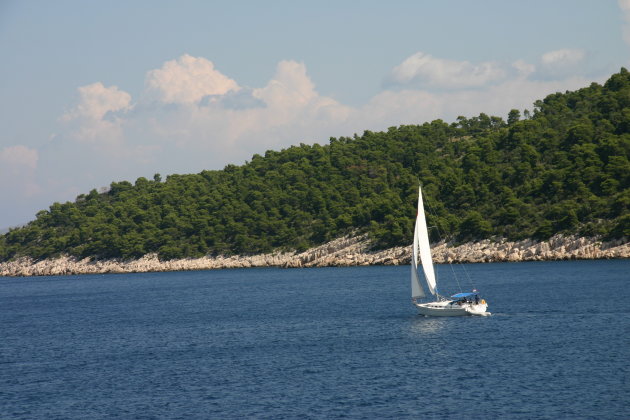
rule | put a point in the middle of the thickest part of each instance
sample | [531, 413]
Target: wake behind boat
[460, 304]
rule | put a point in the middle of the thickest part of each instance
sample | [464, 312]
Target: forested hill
[564, 167]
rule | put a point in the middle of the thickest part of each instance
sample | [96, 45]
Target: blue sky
[95, 92]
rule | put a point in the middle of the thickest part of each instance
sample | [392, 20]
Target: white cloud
[290, 87]
[95, 119]
[233, 122]
[563, 57]
[424, 70]
[97, 100]
[274, 115]
[99, 121]
[290, 98]
[19, 157]
[391, 108]
[523, 68]
[187, 80]
[18, 165]
[560, 64]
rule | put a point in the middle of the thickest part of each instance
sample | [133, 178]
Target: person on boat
[476, 299]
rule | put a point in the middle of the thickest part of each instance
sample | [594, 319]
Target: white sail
[416, 289]
[423, 246]
[464, 305]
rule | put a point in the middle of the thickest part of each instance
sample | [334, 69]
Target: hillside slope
[563, 168]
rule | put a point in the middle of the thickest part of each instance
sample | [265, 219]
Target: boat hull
[450, 308]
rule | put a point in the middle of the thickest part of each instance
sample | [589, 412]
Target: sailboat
[460, 304]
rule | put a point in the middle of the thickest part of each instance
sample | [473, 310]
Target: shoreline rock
[342, 252]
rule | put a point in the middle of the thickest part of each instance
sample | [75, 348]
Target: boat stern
[480, 309]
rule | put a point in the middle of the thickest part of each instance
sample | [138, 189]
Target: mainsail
[422, 250]
[416, 289]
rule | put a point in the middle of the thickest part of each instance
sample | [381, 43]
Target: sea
[317, 343]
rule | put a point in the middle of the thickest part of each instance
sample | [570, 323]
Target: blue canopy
[464, 295]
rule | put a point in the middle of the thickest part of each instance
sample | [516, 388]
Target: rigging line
[435, 267]
[472, 283]
[456, 278]
[449, 264]
[433, 213]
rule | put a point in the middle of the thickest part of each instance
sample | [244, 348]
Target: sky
[96, 92]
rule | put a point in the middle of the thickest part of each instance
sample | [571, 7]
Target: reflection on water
[421, 325]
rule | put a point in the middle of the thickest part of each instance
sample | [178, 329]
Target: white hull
[450, 308]
[466, 304]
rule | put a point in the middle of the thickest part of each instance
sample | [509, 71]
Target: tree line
[563, 167]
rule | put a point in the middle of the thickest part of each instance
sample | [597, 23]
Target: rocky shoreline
[342, 252]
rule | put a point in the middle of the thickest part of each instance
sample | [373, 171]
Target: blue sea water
[316, 343]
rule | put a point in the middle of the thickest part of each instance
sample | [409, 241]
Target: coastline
[342, 252]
